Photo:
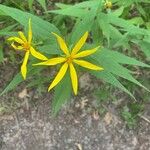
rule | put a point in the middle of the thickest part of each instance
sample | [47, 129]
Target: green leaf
[62, 94]
[43, 4]
[121, 58]
[111, 65]
[84, 24]
[7, 30]
[1, 54]
[40, 27]
[118, 12]
[104, 26]
[120, 71]
[15, 81]
[18, 79]
[62, 5]
[145, 46]
[30, 3]
[136, 21]
[132, 29]
[77, 10]
[110, 78]
[49, 49]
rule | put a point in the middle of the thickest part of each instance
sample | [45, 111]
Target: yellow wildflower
[22, 43]
[69, 59]
[108, 4]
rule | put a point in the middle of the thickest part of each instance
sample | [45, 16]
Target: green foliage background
[120, 31]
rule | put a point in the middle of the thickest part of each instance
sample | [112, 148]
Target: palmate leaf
[113, 68]
[108, 24]
[41, 28]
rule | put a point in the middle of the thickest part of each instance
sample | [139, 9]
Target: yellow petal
[88, 65]
[30, 32]
[80, 43]
[74, 78]
[21, 34]
[51, 62]
[24, 65]
[16, 47]
[62, 44]
[59, 76]
[37, 54]
[16, 39]
[86, 53]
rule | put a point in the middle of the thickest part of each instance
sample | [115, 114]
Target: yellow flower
[108, 4]
[69, 59]
[22, 43]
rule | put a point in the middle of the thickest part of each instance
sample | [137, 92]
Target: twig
[144, 118]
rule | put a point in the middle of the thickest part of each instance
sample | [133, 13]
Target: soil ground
[30, 126]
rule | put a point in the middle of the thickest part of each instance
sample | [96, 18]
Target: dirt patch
[31, 125]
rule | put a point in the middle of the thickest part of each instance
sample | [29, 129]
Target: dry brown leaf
[77, 105]
[83, 103]
[95, 115]
[108, 118]
[23, 94]
[79, 146]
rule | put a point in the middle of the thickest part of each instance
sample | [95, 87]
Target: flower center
[69, 59]
[26, 46]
